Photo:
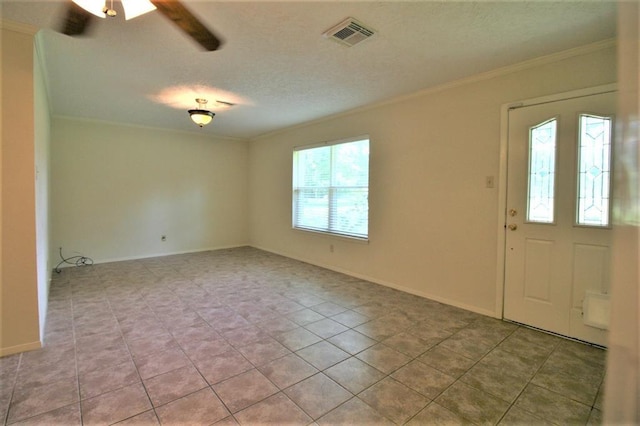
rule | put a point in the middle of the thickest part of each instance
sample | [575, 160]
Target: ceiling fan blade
[176, 12]
[77, 20]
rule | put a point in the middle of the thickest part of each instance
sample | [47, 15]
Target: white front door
[558, 228]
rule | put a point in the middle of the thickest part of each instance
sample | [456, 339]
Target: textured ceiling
[275, 64]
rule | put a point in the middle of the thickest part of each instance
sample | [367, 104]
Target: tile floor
[244, 336]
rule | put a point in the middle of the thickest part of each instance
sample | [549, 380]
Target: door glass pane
[594, 170]
[542, 164]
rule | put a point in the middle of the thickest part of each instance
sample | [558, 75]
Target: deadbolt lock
[513, 212]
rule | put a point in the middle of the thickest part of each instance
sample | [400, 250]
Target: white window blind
[331, 188]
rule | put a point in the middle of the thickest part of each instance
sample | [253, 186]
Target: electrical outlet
[163, 238]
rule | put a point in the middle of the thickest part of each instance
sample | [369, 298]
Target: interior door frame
[503, 176]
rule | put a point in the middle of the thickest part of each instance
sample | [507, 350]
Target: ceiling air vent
[349, 32]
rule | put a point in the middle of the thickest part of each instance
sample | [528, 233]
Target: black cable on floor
[73, 260]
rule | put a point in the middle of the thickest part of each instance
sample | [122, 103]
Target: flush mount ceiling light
[132, 8]
[201, 116]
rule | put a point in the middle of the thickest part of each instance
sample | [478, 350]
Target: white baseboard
[389, 284]
[20, 348]
[148, 256]
[446, 301]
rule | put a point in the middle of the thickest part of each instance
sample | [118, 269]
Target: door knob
[513, 226]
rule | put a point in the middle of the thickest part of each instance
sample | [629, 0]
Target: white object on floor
[596, 309]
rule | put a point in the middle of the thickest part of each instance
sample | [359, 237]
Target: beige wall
[116, 189]
[433, 223]
[19, 300]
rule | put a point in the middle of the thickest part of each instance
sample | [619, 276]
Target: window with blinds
[331, 188]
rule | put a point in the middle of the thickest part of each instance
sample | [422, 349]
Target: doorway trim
[503, 171]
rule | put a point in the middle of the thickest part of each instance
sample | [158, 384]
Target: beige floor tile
[39, 375]
[551, 406]
[317, 395]
[227, 311]
[202, 407]
[354, 412]
[350, 318]
[383, 358]
[101, 381]
[275, 410]
[161, 362]
[31, 401]
[326, 328]
[354, 375]
[227, 421]
[351, 341]
[104, 358]
[305, 316]
[581, 389]
[516, 364]
[446, 361]
[244, 390]
[423, 379]
[495, 381]
[244, 335]
[148, 418]
[328, 309]
[223, 366]
[517, 417]
[379, 329]
[436, 415]
[408, 344]
[174, 384]
[273, 326]
[202, 350]
[322, 355]
[151, 344]
[394, 400]
[287, 371]
[67, 416]
[297, 338]
[263, 351]
[595, 418]
[467, 345]
[472, 404]
[45, 356]
[114, 406]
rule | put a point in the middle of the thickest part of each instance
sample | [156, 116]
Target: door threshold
[555, 334]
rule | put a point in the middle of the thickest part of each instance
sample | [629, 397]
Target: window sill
[332, 235]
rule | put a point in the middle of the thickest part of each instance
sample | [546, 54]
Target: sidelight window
[594, 170]
[542, 163]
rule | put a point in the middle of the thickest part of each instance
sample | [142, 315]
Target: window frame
[331, 189]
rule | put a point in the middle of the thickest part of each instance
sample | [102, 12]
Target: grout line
[13, 389]
[252, 277]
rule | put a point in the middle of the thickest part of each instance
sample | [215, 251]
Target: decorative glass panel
[594, 171]
[542, 164]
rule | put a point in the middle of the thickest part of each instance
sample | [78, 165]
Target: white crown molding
[498, 72]
[197, 132]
